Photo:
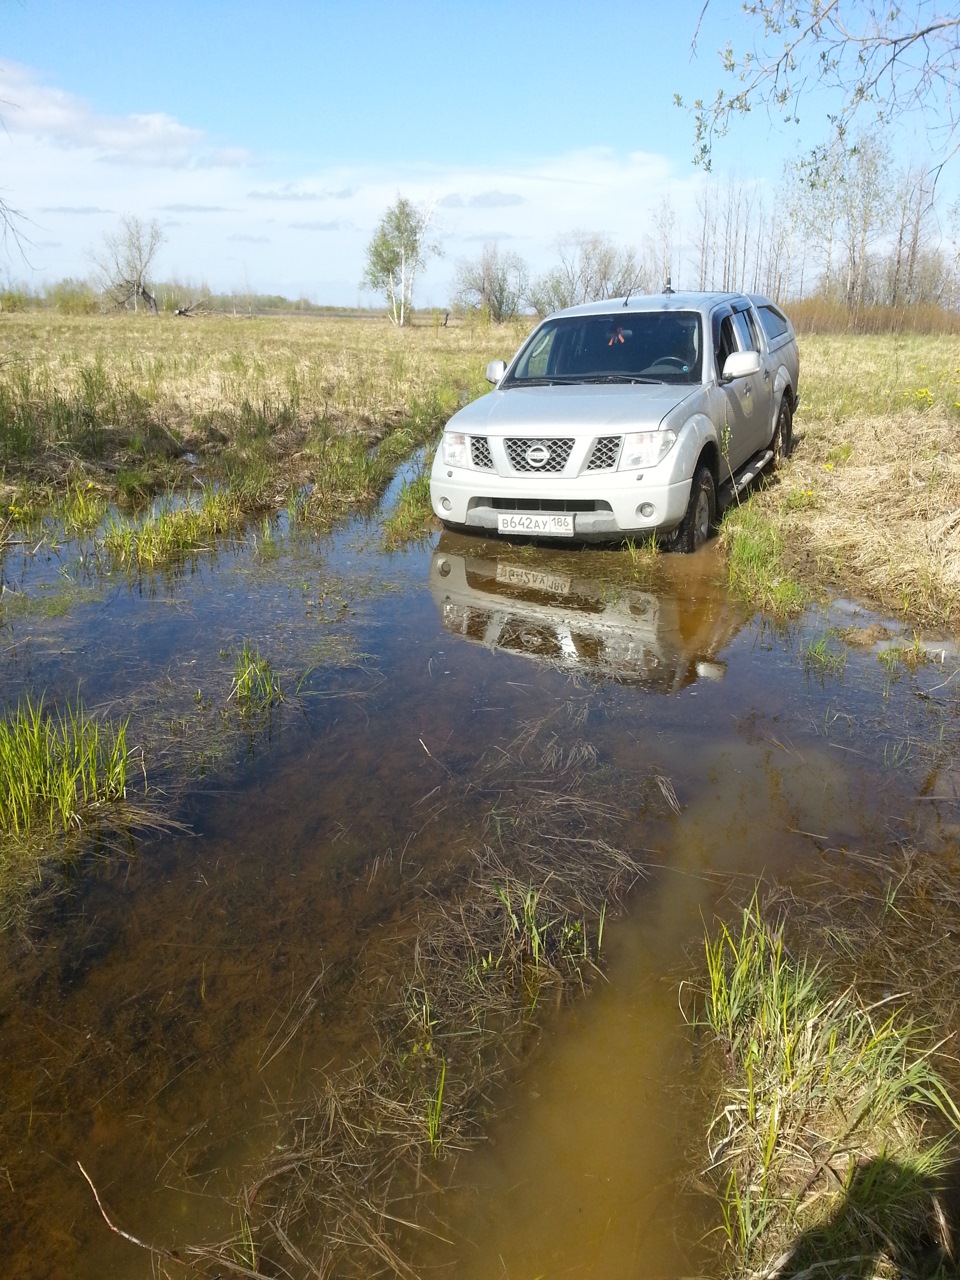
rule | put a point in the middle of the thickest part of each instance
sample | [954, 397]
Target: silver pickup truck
[624, 418]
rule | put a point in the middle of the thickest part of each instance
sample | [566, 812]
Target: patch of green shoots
[839, 454]
[171, 532]
[347, 474]
[267, 546]
[410, 518]
[434, 1111]
[820, 1148]
[755, 564]
[255, 687]
[825, 656]
[27, 507]
[57, 769]
[643, 555]
[81, 509]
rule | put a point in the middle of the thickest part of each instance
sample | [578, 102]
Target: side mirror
[495, 371]
[741, 364]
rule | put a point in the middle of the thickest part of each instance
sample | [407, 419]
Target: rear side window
[775, 323]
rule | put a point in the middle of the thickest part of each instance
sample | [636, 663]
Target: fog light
[646, 509]
[446, 504]
[443, 568]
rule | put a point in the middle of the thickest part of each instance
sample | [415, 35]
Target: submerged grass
[833, 1127]
[454, 998]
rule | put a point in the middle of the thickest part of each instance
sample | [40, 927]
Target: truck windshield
[660, 346]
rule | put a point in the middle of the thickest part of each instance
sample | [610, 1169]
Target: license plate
[535, 523]
[556, 584]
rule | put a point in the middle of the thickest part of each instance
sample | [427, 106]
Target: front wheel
[700, 516]
[782, 442]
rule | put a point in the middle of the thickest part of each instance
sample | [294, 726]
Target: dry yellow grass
[96, 394]
[362, 368]
[869, 504]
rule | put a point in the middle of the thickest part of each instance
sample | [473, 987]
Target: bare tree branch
[893, 59]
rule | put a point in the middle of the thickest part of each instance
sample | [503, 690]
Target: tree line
[846, 227]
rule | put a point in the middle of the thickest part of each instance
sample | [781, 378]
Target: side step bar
[749, 473]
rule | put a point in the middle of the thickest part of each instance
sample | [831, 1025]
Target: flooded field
[168, 1012]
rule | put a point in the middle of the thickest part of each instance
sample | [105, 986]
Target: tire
[700, 516]
[782, 442]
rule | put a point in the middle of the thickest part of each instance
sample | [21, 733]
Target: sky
[268, 139]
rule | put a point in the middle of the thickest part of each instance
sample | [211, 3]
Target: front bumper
[617, 505]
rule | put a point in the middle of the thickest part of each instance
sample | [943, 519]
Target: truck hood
[581, 406]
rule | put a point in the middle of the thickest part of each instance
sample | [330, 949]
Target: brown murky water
[157, 1017]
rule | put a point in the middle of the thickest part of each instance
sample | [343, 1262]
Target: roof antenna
[633, 286]
[668, 287]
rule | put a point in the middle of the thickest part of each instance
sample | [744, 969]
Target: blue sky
[268, 139]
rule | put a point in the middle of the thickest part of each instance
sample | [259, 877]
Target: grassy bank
[869, 503]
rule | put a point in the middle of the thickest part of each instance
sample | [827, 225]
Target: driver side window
[746, 333]
[726, 343]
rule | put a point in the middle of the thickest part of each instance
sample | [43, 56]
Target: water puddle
[164, 1011]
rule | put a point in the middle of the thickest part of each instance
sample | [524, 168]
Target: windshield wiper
[617, 377]
[553, 380]
[573, 379]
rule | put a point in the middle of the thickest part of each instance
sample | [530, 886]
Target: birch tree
[396, 255]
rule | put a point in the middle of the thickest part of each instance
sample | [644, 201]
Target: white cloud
[293, 191]
[235, 232]
[338, 224]
[47, 114]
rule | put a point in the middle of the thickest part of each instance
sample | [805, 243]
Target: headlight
[645, 449]
[455, 449]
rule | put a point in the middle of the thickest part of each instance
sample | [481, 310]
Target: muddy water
[158, 1016]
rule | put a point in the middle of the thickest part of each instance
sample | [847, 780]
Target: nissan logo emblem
[538, 455]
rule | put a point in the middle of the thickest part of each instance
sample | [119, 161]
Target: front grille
[538, 456]
[604, 454]
[480, 452]
[561, 505]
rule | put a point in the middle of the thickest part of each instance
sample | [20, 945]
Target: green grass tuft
[755, 568]
[412, 515]
[255, 686]
[820, 1148]
[56, 770]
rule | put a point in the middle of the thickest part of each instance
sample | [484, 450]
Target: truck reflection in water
[661, 639]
